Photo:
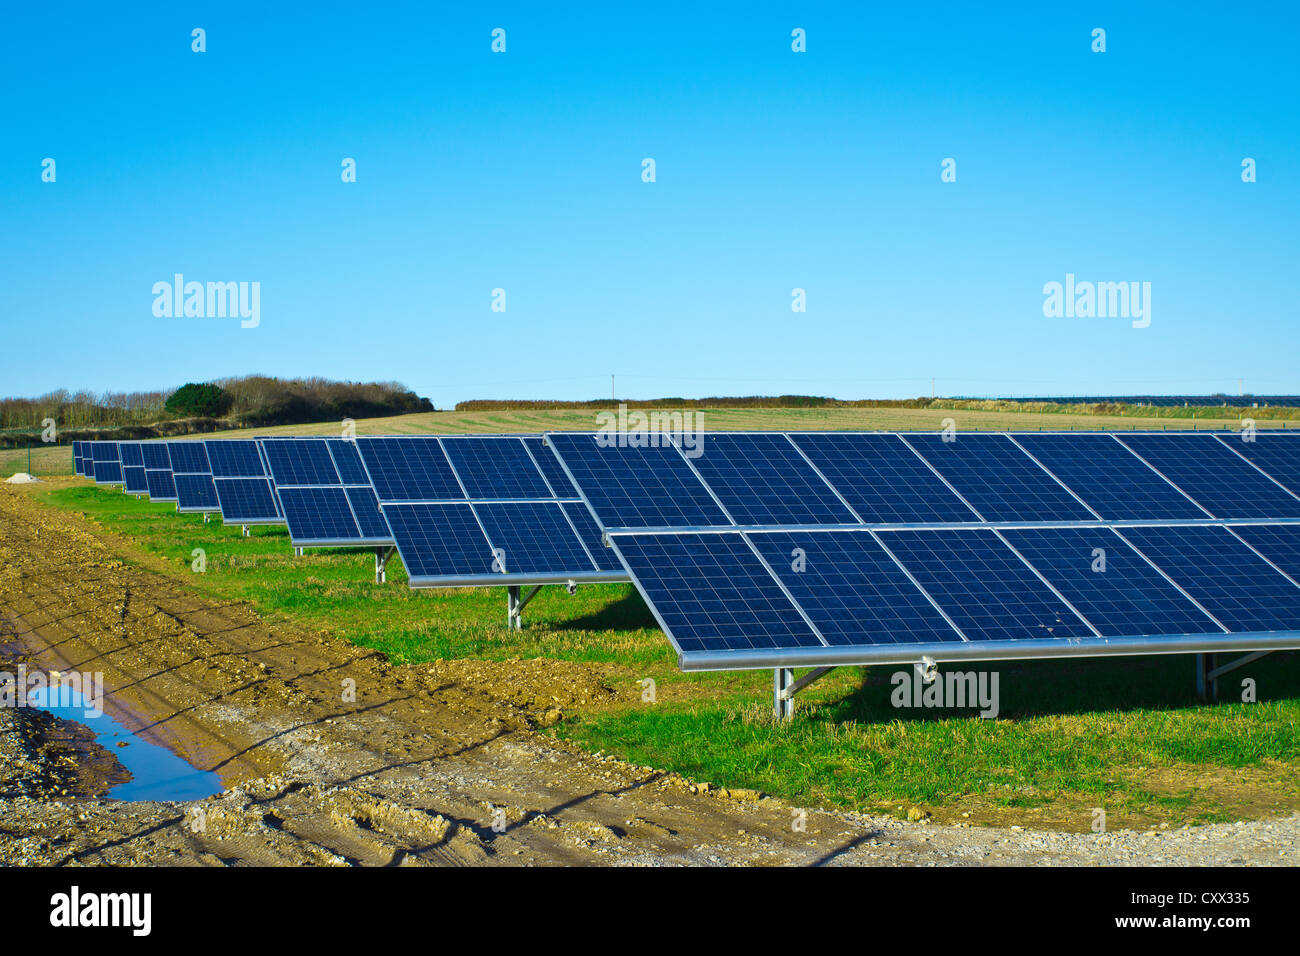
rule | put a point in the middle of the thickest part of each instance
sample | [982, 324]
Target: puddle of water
[156, 772]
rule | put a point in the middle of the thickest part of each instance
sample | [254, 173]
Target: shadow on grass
[628, 612]
[1029, 689]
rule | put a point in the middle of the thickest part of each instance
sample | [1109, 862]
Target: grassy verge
[1125, 735]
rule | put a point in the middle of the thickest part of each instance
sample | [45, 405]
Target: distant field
[57, 459]
[1125, 734]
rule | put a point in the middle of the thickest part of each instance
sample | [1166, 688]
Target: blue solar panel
[1120, 594]
[534, 537]
[1229, 580]
[318, 514]
[365, 508]
[711, 592]
[585, 525]
[104, 451]
[988, 592]
[409, 469]
[637, 487]
[133, 480]
[1280, 543]
[883, 479]
[495, 468]
[1109, 477]
[851, 589]
[762, 479]
[551, 468]
[439, 540]
[246, 500]
[156, 456]
[235, 458]
[130, 454]
[348, 462]
[161, 485]
[999, 480]
[1217, 479]
[188, 457]
[1279, 455]
[195, 493]
[300, 461]
[108, 473]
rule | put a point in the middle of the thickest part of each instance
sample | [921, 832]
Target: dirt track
[430, 764]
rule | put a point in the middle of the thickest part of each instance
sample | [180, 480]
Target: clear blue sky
[775, 170]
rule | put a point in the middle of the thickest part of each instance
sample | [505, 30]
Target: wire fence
[41, 459]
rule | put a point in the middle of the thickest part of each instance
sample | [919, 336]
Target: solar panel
[637, 487]
[130, 454]
[1278, 455]
[195, 493]
[882, 478]
[156, 456]
[1109, 477]
[496, 468]
[160, 484]
[1280, 544]
[348, 462]
[710, 592]
[527, 534]
[234, 458]
[1225, 577]
[983, 586]
[551, 468]
[764, 479]
[108, 473]
[409, 469]
[188, 458]
[246, 501]
[1109, 583]
[133, 480]
[999, 480]
[320, 507]
[440, 542]
[852, 590]
[1222, 482]
[300, 461]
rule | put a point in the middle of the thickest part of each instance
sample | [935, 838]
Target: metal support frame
[297, 552]
[243, 529]
[206, 517]
[515, 604]
[784, 687]
[1207, 675]
[381, 563]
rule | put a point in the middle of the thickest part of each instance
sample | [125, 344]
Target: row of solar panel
[460, 509]
[841, 478]
[740, 591]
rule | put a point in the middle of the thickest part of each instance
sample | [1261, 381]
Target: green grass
[1126, 734]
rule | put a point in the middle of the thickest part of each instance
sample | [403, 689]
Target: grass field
[57, 459]
[1125, 735]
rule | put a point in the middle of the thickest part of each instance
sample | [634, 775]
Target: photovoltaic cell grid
[243, 489]
[133, 480]
[484, 510]
[192, 476]
[1220, 480]
[324, 493]
[949, 587]
[1279, 455]
[106, 466]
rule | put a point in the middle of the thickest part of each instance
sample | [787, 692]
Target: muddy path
[331, 755]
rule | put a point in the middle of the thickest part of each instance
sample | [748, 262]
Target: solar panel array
[484, 509]
[771, 550]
